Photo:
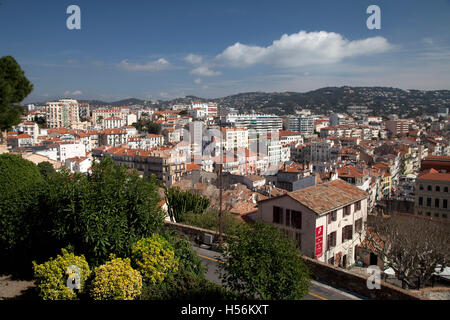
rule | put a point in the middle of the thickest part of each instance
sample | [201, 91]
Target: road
[317, 290]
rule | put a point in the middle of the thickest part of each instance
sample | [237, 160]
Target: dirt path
[13, 289]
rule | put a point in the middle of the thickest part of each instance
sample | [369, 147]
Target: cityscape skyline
[170, 50]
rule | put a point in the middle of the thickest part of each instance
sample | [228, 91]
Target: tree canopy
[413, 247]
[14, 87]
[105, 212]
[262, 263]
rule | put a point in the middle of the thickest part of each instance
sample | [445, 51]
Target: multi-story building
[113, 122]
[62, 113]
[326, 220]
[400, 126]
[432, 197]
[258, 123]
[113, 137]
[302, 124]
[234, 138]
[84, 110]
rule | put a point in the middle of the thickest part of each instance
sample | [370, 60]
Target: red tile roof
[328, 196]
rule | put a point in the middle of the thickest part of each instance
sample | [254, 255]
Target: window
[444, 215]
[420, 201]
[429, 188]
[428, 202]
[347, 210]
[436, 215]
[296, 219]
[332, 216]
[438, 189]
[444, 203]
[288, 218]
[358, 225]
[436, 203]
[277, 211]
[421, 186]
[347, 233]
[446, 189]
[358, 205]
[420, 213]
[428, 214]
[331, 240]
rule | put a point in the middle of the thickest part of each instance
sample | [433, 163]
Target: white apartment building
[259, 123]
[234, 138]
[70, 149]
[113, 122]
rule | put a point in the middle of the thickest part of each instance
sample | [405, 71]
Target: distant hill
[381, 100]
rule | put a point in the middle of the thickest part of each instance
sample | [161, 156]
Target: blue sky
[167, 49]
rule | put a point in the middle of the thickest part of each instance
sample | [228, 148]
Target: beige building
[326, 220]
[432, 195]
[62, 113]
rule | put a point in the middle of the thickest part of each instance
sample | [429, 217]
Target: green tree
[179, 203]
[21, 187]
[46, 169]
[262, 263]
[14, 87]
[105, 212]
[187, 258]
[209, 219]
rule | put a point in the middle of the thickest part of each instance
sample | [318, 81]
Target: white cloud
[160, 64]
[198, 81]
[205, 71]
[74, 93]
[302, 49]
[193, 59]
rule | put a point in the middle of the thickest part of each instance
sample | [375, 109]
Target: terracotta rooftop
[432, 174]
[351, 172]
[328, 196]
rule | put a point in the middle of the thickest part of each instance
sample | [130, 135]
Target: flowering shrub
[51, 276]
[155, 258]
[116, 280]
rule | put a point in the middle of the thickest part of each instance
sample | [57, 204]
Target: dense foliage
[187, 286]
[148, 126]
[179, 203]
[46, 169]
[14, 87]
[262, 263]
[51, 277]
[210, 220]
[155, 258]
[105, 212]
[21, 188]
[116, 280]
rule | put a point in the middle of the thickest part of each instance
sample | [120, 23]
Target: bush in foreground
[51, 276]
[155, 258]
[116, 280]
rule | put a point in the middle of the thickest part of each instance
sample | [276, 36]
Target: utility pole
[220, 201]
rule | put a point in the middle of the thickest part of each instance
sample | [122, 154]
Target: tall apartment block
[62, 113]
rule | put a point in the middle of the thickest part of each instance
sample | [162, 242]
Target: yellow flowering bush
[51, 276]
[116, 280]
[155, 258]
